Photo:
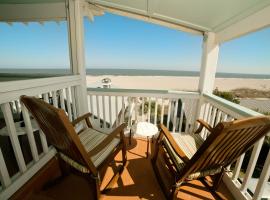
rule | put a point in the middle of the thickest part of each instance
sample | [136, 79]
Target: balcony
[27, 159]
[25, 154]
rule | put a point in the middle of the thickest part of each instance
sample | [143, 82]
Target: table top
[144, 129]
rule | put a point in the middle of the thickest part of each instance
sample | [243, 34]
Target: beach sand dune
[177, 83]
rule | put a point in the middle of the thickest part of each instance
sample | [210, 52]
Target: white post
[208, 67]
[209, 63]
[77, 56]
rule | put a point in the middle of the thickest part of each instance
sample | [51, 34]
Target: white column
[209, 63]
[76, 46]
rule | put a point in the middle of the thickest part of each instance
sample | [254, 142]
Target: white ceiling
[202, 15]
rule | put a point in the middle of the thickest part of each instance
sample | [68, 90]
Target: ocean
[20, 74]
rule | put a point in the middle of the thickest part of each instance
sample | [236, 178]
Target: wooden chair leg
[124, 155]
[217, 180]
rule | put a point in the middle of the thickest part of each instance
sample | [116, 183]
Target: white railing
[173, 108]
[60, 92]
[215, 109]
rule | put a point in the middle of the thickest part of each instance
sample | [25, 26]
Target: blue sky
[117, 42]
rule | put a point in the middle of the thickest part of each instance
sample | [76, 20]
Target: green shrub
[226, 95]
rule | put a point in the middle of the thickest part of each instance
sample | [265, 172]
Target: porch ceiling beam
[254, 22]
[148, 17]
[32, 12]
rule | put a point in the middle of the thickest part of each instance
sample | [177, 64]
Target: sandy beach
[177, 83]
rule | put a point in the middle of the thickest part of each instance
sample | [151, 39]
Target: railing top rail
[12, 90]
[142, 93]
[234, 109]
[9, 86]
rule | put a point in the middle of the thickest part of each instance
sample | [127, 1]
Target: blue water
[11, 74]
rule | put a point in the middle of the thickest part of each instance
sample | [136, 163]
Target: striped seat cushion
[90, 138]
[189, 144]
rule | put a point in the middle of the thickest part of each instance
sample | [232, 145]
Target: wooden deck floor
[138, 181]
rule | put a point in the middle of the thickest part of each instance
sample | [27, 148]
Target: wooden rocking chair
[86, 152]
[188, 157]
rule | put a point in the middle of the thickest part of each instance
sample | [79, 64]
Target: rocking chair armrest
[203, 124]
[173, 143]
[107, 140]
[83, 117]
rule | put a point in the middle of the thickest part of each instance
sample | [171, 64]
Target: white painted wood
[110, 111]
[123, 110]
[188, 116]
[34, 12]
[160, 20]
[213, 117]
[251, 164]
[263, 180]
[208, 63]
[144, 93]
[11, 90]
[181, 117]
[45, 97]
[218, 119]
[169, 113]
[73, 102]
[116, 111]
[162, 112]
[233, 187]
[103, 112]
[149, 110]
[142, 108]
[237, 167]
[69, 103]
[175, 115]
[62, 99]
[254, 22]
[232, 109]
[13, 136]
[30, 134]
[41, 134]
[77, 54]
[98, 108]
[136, 108]
[55, 99]
[32, 170]
[156, 107]
[4, 176]
[43, 141]
[17, 105]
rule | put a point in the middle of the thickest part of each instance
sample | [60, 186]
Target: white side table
[145, 129]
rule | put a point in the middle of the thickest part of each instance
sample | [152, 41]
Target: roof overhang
[193, 16]
[228, 19]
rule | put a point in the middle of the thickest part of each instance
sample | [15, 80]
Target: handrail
[231, 108]
[14, 89]
[143, 92]
[9, 86]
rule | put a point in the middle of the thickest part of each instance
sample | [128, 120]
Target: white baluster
[175, 115]
[4, 176]
[13, 136]
[29, 132]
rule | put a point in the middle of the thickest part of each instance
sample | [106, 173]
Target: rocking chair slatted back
[226, 143]
[58, 130]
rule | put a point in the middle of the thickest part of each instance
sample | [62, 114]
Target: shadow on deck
[138, 181]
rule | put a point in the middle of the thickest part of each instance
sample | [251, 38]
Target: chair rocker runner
[188, 156]
[87, 152]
